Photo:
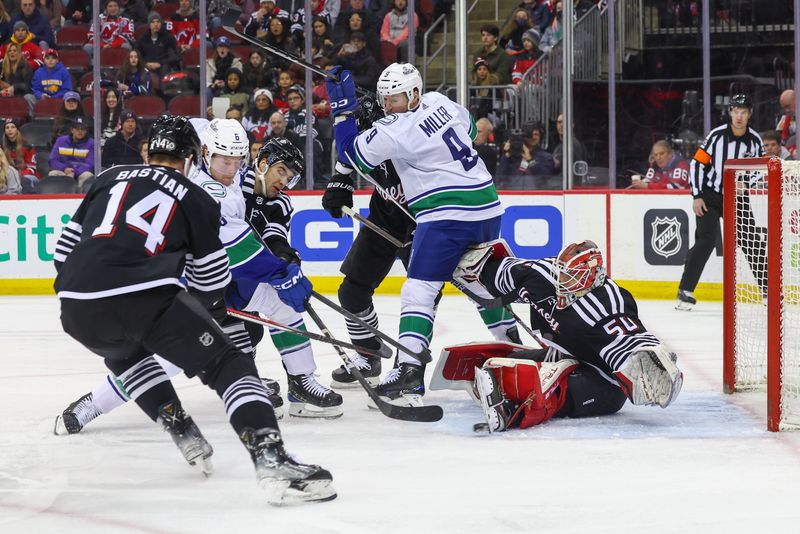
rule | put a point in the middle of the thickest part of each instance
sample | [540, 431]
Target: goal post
[761, 262]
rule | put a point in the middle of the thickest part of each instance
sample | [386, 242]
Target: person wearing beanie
[51, 80]
[123, 147]
[157, 47]
[525, 58]
[500, 63]
[31, 52]
[256, 122]
[37, 24]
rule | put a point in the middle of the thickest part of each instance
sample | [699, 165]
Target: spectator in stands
[216, 8]
[235, 113]
[234, 91]
[5, 24]
[322, 39]
[71, 109]
[280, 38]
[256, 122]
[110, 112]
[772, 145]
[256, 72]
[354, 56]
[135, 10]
[296, 115]
[482, 100]
[157, 47]
[258, 23]
[787, 124]
[523, 155]
[38, 24]
[51, 80]
[27, 45]
[10, 184]
[519, 23]
[255, 146]
[540, 14]
[285, 81]
[133, 79]
[525, 58]
[395, 27]
[78, 12]
[499, 62]
[20, 155]
[578, 150]
[186, 26]
[219, 63]
[115, 31]
[367, 19]
[484, 144]
[298, 20]
[16, 75]
[321, 106]
[356, 24]
[143, 149]
[552, 34]
[52, 10]
[73, 155]
[123, 147]
[277, 123]
[666, 170]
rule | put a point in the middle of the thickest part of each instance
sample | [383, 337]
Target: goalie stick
[257, 319]
[421, 414]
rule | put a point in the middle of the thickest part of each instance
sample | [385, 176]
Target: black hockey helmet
[174, 136]
[741, 100]
[281, 150]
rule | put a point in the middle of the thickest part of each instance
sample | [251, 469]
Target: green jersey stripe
[243, 250]
[456, 197]
[416, 324]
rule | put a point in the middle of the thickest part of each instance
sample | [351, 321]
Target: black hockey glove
[338, 193]
[280, 247]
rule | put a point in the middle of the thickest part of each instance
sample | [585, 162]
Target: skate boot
[186, 436]
[370, 367]
[404, 385]
[309, 398]
[274, 393]
[686, 300]
[285, 480]
[76, 416]
[496, 408]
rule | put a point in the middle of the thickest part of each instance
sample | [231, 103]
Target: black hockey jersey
[141, 227]
[602, 328]
[270, 218]
[384, 212]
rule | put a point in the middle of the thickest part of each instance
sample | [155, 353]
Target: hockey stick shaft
[423, 356]
[380, 189]
[374, 227]
[403, 413]
[257, 319]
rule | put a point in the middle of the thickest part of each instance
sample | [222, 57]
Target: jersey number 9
[459, 150]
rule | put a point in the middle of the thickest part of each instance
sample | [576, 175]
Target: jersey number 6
[459, 150]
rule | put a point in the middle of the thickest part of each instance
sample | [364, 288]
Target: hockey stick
[380, 189]
[423, 356]
[374, 227]
[421, 414]
[257, 319]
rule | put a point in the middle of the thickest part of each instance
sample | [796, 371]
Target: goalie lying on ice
[592, 328]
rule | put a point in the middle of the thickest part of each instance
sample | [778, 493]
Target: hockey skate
[187, 436]
[274, 394]
[76, 416]
[370, 367]
[285, 480]
[651, 376]
[309, 398]
[686, 300]
[496, 409]
[403, 386]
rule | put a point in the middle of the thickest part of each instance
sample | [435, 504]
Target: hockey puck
[480, 428]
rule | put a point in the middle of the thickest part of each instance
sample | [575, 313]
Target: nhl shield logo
[666, 238]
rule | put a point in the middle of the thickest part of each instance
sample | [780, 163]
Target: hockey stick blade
[249, 317]
[420, 414]
[423, 356]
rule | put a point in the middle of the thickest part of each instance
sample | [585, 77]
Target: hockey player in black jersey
[599, 353]
[119, 261]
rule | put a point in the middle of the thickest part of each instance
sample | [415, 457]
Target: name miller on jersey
[435, 121]
[159, 176]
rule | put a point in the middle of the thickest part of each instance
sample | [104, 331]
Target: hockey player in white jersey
[450, 193]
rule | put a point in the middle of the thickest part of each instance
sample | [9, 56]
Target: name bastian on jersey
[442, 175]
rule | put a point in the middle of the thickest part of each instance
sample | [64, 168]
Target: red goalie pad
[455, 368]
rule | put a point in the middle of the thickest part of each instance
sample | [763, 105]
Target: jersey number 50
[459, 150]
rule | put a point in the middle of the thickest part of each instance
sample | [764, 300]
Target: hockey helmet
[399, 78]
[741, 100]
[173, 135]
[280, 150]
[225, 137]
[579, 269]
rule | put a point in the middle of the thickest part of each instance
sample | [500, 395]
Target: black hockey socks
[147, 384]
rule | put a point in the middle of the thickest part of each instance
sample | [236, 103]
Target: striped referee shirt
[705, 169]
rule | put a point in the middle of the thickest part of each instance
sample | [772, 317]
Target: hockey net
[762, 284]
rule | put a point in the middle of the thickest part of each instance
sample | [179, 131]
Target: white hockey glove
[650, 376]
[472, 262]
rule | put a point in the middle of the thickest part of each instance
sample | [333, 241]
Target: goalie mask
[399, 78]
[279, 150]
[579, 269]
[225, 137]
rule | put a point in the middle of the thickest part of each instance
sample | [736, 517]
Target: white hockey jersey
[431, 147]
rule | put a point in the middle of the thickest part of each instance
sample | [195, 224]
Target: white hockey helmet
[225, 137]
[399, 78]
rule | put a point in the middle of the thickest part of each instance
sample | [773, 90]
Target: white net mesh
[790, 262]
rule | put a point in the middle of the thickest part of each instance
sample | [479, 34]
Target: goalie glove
[651, 377]
[471, 264]
[338, 193]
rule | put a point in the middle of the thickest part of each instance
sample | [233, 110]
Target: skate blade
[60, 429]
[285, 493]
[372, 381]
[278, 412]
[204, 465]
[402, 400]
[302, 409]
[683, 306]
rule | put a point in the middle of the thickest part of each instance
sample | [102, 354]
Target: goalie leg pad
[650, 376]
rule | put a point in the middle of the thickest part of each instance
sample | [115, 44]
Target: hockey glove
[342, 94]
[338, 193]
[293, 287]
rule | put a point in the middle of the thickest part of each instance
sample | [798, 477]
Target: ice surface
[705, 464]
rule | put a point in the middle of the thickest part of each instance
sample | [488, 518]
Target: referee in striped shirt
[733, 140]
